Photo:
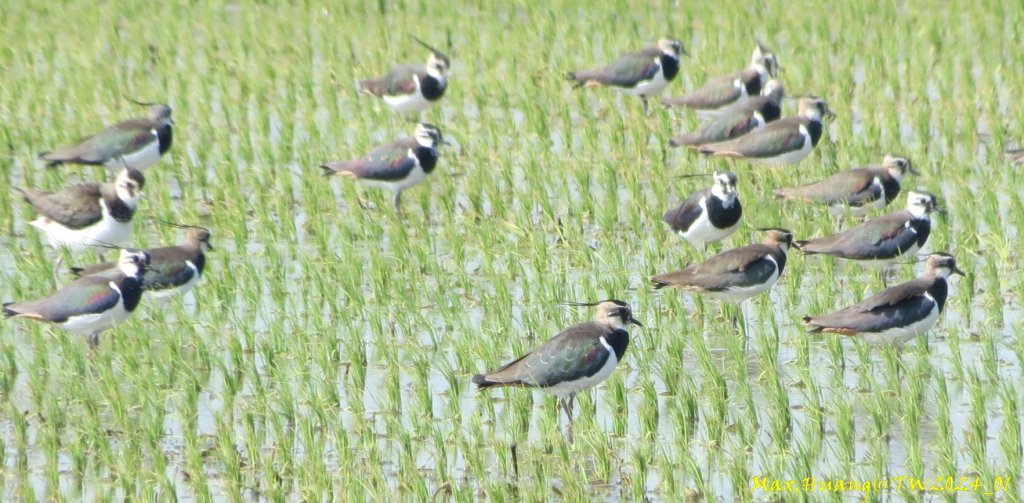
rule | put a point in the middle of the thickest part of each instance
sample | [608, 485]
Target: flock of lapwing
[101, 215]
[743, 120]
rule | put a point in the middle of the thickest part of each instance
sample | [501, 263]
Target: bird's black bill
[633, 321]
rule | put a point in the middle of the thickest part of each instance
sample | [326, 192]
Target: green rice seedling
[320, 319]
[977, 423]
[1010, 436]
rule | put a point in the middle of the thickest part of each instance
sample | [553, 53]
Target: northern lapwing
[708, 215]
[580, 357]
[92, 304]
[412, 88]
[88, 214]
[785, 141]
[736, 87]
[737, 120]
[882, 240]
[897, 314]
[735, 275]
[134, 143]
[174, 270]
[395, 166]
[859, 189]
[645, 73]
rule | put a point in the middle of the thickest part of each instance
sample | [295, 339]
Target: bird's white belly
[864, 209]
[703, 231]
[857, 211]
[162, 296]
[791, 157]
[108, 231]
[93, 323]
[890, 261]
[565, 389]
[649, 88]
[415, 176]
[736, 295]
[900, 335]
[141, 159]
[408, 103]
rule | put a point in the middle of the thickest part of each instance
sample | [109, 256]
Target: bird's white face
[764, 59]
[133, 263]
[771, 64]
[437, 67]
[897, 166]
[428, 135]
[129, 186]
[161, 113]
[615, 314]
[942, 265]
[670, 47]
[201, 237]
[773, 86]
[921, 203]
[779, 237]
[814, 108]
[725, 184]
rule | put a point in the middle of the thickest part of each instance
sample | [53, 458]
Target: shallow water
[328, 336]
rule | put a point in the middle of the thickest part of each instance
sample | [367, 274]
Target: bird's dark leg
[566, 404]
[56, 268]
[887, 271]
[515, 460]
[746, 326]
[646, 108]
[899, 365]
[94, 340]
[398, 202]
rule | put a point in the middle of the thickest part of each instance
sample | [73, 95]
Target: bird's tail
[481, 381]
[813, 329]
[579, 78]
[8, 312]
[691, 140]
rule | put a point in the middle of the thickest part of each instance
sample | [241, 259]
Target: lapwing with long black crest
[91, 304]
[734, 275]
[645, 73]
[709, 215]
[860, 189]
[738, 119]
[883, 240]
[412, 88]
[580, 357]
[173, 271]
[733, 88]
[896, 314]
[786, 141]
[88, 214]
[395, 166]
[135, 143]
